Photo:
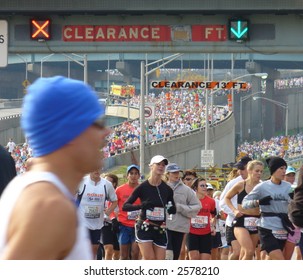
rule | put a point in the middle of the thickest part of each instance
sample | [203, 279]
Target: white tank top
[82, 247]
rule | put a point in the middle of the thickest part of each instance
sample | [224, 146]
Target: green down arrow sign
[238, 30]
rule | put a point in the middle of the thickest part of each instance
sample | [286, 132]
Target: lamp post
[280, 104]
[259, 75]
[83, 64]
[108, 65]
[144, 74]
[25, 61]
[242, 99]
[45, 58]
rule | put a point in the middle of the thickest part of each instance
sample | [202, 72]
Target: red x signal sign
[40, 29]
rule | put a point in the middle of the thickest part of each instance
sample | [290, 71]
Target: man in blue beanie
[63, 122]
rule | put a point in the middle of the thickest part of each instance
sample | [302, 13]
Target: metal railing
[10, 117]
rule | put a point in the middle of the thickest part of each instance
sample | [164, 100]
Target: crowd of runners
[174, 214]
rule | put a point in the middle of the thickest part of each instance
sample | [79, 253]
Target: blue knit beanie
[55, 111]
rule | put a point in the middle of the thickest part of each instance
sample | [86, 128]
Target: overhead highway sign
[3, 43]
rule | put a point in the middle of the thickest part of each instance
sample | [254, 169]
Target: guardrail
[10, 103]
[296, 162]
[10, 117]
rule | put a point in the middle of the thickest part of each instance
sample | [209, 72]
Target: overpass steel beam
[270, 33]
[167, 7]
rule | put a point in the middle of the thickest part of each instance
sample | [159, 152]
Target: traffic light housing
[238, 30]
[40, 29]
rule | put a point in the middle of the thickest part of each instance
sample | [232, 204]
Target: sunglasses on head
[188, 179]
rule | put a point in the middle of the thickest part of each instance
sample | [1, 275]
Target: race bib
[133, 215]
[92, 212]
[250, 223]
[156, 215]
[280, 234]
[199, 222]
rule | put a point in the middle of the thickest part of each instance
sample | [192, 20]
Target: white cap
[209, 186]
[290, 169]
[158, 159]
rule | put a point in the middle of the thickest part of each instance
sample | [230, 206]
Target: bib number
[156, 215]
[250, 223]
[280, 234]
[133, 215]
[92, 212]
[199, 222]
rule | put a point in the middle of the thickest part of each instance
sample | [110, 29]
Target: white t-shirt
[10, 146]
[92, 205]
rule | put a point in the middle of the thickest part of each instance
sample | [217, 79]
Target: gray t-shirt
[278, 204]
